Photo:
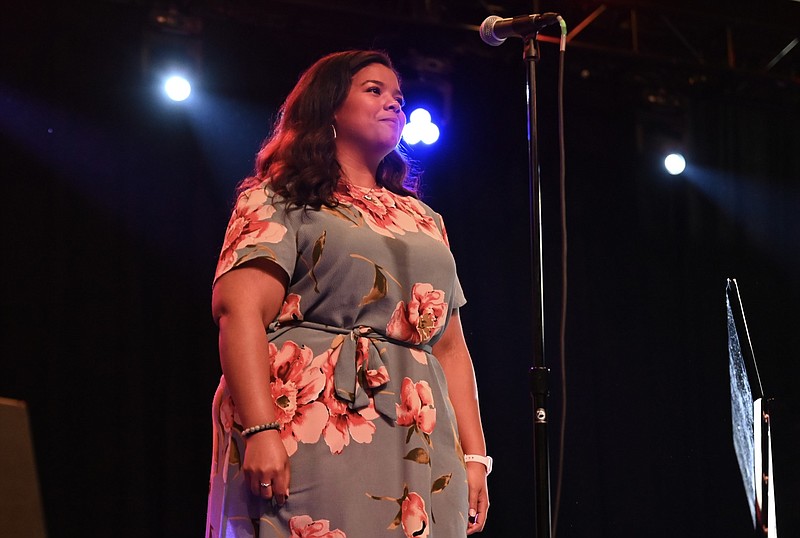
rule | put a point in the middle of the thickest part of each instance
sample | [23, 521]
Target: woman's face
[371, 120]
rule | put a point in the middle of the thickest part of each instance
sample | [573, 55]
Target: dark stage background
[115, 204]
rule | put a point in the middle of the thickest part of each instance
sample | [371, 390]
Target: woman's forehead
[378, 73]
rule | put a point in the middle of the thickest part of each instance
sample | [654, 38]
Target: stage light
[427, 85]
[675, 163]
[177, 88]
[420, 128]
[172, 52]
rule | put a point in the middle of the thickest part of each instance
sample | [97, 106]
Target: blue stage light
[675, 163]
[420, 128]
[177, 88]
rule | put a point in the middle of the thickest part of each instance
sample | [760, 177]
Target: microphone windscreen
[487, 31]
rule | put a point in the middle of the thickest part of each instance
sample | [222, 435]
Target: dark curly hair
[299, 159]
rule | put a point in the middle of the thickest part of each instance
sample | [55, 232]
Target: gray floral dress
[362, 402]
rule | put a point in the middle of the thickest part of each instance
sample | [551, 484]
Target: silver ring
[263, 485]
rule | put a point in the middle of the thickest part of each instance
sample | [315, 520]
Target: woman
[361, 398]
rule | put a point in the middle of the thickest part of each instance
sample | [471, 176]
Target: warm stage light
[675, 163]
[177, 88]
[420, 128]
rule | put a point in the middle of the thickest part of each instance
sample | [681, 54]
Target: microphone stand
[538, 372]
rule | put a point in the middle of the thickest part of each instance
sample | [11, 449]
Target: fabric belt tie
[359, 371]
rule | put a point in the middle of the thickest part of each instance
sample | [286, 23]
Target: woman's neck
[367, 180]
[357, 171]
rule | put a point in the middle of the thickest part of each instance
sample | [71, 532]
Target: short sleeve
[459, 299]
[260, 227]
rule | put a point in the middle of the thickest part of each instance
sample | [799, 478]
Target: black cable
[563, 321]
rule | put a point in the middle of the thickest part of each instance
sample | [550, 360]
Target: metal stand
[538, 372]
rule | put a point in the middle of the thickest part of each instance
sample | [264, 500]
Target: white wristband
[485, 460]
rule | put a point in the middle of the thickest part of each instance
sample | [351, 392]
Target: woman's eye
[375, 90]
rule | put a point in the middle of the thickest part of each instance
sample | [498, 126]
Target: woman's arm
[244, 302]
[452, 352]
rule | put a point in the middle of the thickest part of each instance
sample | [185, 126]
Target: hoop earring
[334, 131]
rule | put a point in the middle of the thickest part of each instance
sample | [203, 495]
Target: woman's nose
[392, 104]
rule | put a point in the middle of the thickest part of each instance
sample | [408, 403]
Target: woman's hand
[478, 497]
[266, 462]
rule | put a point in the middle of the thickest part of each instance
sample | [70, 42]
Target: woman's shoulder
[424, 205]
[420, 206]
[259, 193]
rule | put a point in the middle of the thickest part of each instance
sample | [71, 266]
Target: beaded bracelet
[247, 432]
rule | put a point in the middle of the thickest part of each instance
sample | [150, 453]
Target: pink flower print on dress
[305, 527]
[413, 517]
[290, 310]
[249, 225]
[374, 378]
[424, 222]
[422, 319]
[295, 389]
[226, 413]
[380, 211]
[343, 423]
[417, 406]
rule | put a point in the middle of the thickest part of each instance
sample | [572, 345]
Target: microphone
[494, 30]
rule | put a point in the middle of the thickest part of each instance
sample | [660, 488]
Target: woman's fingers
[280, 487]
[265, 490]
